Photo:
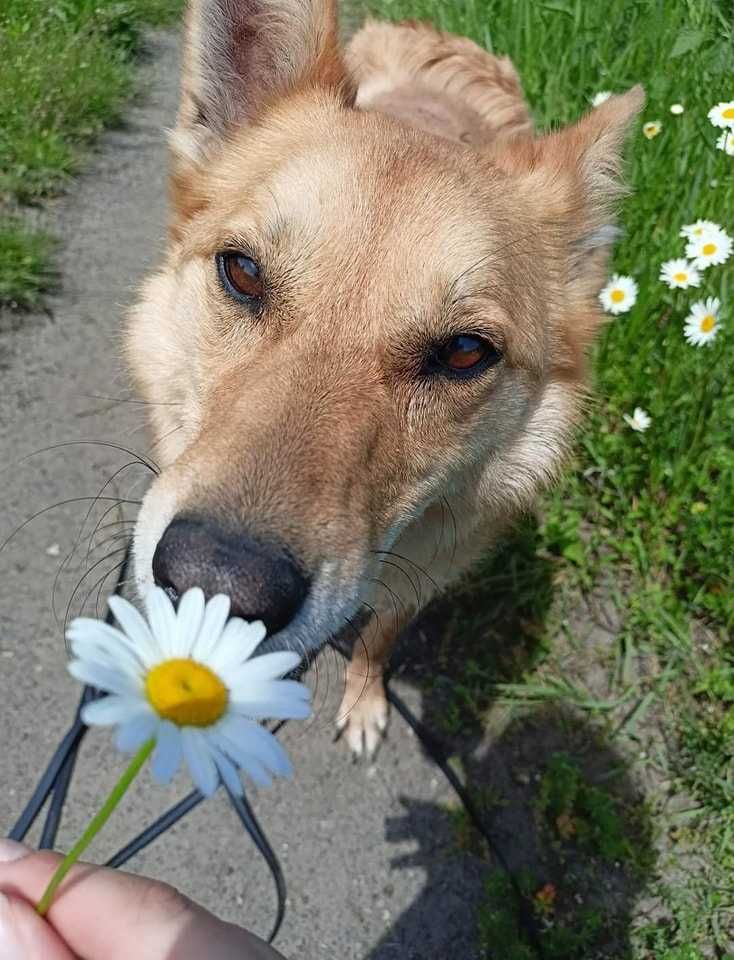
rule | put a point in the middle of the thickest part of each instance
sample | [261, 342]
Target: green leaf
[688, 39]
[574, 552]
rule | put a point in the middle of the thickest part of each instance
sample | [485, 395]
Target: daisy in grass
[187, 679]
[600, 97]
[652, 128]
[722, 115]
[702, 323]
[677, 109]
[726, 142]
[619, 295]
[183, 687]
[679, 273]
[639, 421]
[698, 229]
[712, 247]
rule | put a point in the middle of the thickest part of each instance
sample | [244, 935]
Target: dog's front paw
[362, 717]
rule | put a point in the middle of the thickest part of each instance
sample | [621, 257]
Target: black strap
[57, 777]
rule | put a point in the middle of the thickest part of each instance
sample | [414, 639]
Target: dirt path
[367, 851]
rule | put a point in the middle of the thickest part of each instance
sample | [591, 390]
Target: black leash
[525, 912]
[58, 774]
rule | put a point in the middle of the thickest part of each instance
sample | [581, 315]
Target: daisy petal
[189, 615]
[267, 667]
[242, 737]
[168, 752]
[134, 625]
[246, 760]
[238, 642]
[273, 709]
[228, 772]
[133, 733]
[120, 659]
[215, 616]
[270, 690]
[198, 758]
[162, 619]
[112, 709]
[86, 630]
[108, 678]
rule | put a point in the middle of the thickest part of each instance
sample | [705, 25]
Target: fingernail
[12, 850]
[11, 947]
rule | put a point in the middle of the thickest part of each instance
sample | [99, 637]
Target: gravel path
[367, 850]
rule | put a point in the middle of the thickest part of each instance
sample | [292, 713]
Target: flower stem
[96, 824]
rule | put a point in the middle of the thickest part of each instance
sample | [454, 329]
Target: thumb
[104, 914]
[23, 934]
[26, 936]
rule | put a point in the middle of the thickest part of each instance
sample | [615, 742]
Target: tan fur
[376, 238]
[443, 84]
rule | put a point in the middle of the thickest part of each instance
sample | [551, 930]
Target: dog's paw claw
[363, 723]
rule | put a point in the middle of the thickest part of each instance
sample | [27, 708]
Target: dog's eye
[240, 276]
[464, 355]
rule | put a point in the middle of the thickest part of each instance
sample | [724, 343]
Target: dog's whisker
[63, 503]
[133, 400]
[104, 516]
[93, 504]
[95, 544]
[143, 460]
[78, 586]
[165, 436]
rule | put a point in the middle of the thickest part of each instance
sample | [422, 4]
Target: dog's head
[354, 318]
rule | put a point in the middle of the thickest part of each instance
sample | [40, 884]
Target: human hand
[103, 914]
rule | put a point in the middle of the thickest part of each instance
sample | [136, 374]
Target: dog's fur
[394, 195]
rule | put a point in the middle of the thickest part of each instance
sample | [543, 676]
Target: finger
[25, 936]
[104, 914]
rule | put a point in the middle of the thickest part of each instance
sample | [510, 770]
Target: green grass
[25, 273]
[640, 536]
[66, 69]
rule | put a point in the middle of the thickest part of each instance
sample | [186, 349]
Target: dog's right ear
[242, 54]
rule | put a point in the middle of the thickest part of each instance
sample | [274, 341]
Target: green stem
[118, 792]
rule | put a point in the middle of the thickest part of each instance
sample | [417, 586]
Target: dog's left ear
[573, 176]
[241, 55]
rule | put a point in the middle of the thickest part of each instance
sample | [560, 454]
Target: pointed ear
[242, 54]
[575, 173]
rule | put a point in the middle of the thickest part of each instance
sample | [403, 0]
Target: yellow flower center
[187, 693]
[708, 323]
[728, 114]
[617, 296]
[709, 249]
[680, 277]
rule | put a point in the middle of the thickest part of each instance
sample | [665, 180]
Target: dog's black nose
[261, 579]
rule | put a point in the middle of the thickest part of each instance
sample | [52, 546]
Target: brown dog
[366, 342]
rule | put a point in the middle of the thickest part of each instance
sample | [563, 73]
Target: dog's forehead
[365, 187]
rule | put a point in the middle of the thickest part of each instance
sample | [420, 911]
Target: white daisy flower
[726, 142]
[187, 678]
[601, 97]
[679, 273]
[698, 229]
[722, 115]
[702, 323]
[712, 247]
[652, 128]
[639, 421]
[677, 109]
[619, 295]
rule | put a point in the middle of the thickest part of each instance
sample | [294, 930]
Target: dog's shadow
[560, 807]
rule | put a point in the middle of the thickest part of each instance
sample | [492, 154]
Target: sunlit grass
[65, 72]
[647, 517]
